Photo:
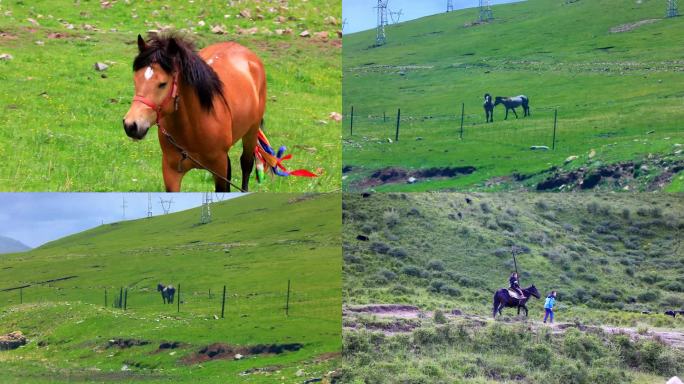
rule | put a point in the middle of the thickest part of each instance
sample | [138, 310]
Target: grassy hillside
[609, 256]
[62, 128]
[613, 80]
[253, 245]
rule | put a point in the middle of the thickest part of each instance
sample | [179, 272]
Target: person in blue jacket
[548, 306]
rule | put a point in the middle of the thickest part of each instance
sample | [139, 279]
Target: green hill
[10, 245]
[254, 245]
[611, 68]
[609, 256]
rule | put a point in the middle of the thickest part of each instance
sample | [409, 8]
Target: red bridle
[158, 108]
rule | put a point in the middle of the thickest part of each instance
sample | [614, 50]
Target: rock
[219, 30]
[6, 57]
[69, 26]
[101, 66]
[201, 23]
[245, 13]
[539, 148]
[330, 20]
[335, 116]
[674, 380]
[411, 180]
[389, 140]
[40, 42]
[570, 158]
[592, 153]
[125, 368]
[419, 138]
[300, 373]
[12, 340]
[238, 356]
[323, 35]
[305, 33]
[32, 21]
[215, 317]
[677, 152]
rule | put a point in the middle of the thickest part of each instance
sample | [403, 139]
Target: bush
[485, 207]
[539, 356]
[379, 247]
[435, 265]
[582, 346]
[451, 291]
[391, 218]
[412, 270]
[399, 253]
[436, 285]
[386, 274]
[439, 317]
[647, 297]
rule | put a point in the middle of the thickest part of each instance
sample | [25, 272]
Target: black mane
[170, 51]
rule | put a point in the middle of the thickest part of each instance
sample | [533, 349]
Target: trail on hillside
[401, 318]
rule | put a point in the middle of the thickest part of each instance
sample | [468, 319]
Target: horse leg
[506, 118]
[515, 113]
[229, 173]
[172, 178]
[249, 143]
[221, 164]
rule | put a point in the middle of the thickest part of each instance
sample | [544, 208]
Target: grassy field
[253, 245]
[609, 256]
[616, 94]
[61, 128]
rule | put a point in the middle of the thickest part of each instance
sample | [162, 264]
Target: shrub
[485, 207]
[541, 204]
[391, 218]
[539, 356]
[648, 296]
[387, 274]
[439, 317]
[451, 291]
[582, 346]
[502, 252]
[436, 285]
[379, 247]
[435, 265]
[399, 253]
[412, 270]
[626, 213]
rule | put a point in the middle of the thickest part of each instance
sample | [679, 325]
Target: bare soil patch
[126, 343]
[394, 175]
[231, 352]
[632, 26]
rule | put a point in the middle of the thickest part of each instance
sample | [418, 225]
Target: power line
[486, 13]
[672, 9]
[149, 204]
[450, 6]
[166, 208]
[380, 37]
[205, 215]
[123, 205]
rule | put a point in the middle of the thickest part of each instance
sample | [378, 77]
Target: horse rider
[515, 285]
[548, 306]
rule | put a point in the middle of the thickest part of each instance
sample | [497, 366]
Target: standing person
[548, 306]
[515, 285]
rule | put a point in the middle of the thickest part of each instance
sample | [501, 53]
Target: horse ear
[142, 45]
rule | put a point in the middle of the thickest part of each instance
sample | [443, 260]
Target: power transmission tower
[450, 6]
[672, 9]
[380, 37]
[205, 216]
[123, 205]
[485, 11]
[397, 14]
[166, 208]
[149, 204]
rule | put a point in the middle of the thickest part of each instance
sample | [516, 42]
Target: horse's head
[498, 100]
[534, 291]
[160, 287]
[155, 86]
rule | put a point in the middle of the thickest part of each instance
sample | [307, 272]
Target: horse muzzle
[135, 131]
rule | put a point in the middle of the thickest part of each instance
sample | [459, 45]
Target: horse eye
[162, 85]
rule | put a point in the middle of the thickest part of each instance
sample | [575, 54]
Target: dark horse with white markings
[489, 108]
[503, 299]
[511, 103]
[167, 292]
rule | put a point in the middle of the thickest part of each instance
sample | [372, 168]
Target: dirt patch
[394, 175]
[632, 26]
[7, 36]
[231, 352]
[383, 308]
[126, 343]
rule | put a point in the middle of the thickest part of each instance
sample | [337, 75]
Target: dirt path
[400, 318]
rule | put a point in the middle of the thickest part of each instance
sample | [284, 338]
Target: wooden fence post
[179, 298]
[462, 115]
[105, 297]
[125, 299]
[120, 297]
[287, 303]
[396, 135]
[223, 302]
[555, 121]
[351, 122]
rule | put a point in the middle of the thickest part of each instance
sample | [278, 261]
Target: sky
[36, 218]
[361, 15]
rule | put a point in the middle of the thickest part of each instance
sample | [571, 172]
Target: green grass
[607, 100]
[61, 128]
[609, 256]
[253, 245]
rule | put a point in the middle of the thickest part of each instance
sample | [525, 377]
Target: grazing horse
[502, 299]
[167, 292]
[489, 108]
[511, 103]
[203, 102]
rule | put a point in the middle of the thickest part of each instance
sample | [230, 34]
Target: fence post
[384, 117]
[209, 293]
[351, 122]
[179, 298]
[120, 296]
[105, 297]
[223, 302]
[462, 114]
[287, 303]
[125, 298]
[555, 121]
[396, 135]
[21, 295]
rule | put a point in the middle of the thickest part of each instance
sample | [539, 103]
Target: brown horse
[203, 103]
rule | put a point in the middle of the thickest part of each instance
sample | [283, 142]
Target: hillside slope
[611, 68]
[254, 245]
[10, 245]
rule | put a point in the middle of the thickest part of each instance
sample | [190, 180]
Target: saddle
[514, 294]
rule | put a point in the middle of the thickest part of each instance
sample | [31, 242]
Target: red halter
[158, 108]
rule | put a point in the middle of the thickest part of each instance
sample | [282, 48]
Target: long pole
[555, 121]
[396, 135]
[351, 122]
[287, 303]
[462, 114]
[105, 297]
[21, 295]
[515, 262]
[384, 117]
[223, 302]
[125, 298]
[120, 296]
[179, 298]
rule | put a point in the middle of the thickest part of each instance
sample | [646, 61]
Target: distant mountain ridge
[10, 245]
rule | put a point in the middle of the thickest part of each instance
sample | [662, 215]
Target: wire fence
[542, 129]
[194, 299]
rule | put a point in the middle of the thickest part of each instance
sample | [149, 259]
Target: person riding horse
[515, 285]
